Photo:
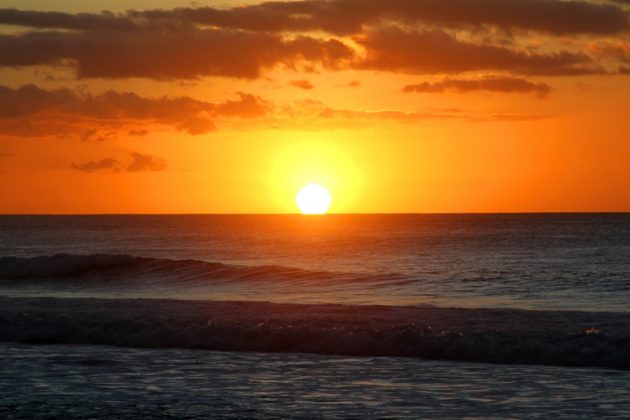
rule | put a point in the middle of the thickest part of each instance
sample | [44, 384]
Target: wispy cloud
[139, 163]
[142, 162]
[316, 115]
[106, 164]
[302, 84]
[489, 84]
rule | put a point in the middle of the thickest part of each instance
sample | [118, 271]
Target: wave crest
[480, 335]
[129, 268]
[60, 264]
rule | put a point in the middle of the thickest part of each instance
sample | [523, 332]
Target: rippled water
[564, 261]
[405, 282]
[106, 382]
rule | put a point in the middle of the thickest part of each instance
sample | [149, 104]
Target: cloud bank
[344, 17]
[414, 36]
[33, 111]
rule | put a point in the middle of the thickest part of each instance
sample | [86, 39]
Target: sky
[397, 106]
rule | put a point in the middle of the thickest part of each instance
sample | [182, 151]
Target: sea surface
[497, 315]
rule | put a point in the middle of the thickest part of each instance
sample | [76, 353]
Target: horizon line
[327, 214]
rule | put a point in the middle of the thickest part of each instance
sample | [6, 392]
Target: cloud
[246, 41]
[6, 155]
[143, 162]
[138, 133]
[551, 16]
[316, 115]
[490, 84]
[246, 106]
[61, 20]
[498, 117]
[615, 49]
[302, 84]
[32, 111]
[180, 53]
[351, 16]
[435, 51]
[139, 163]
[107, 164]
[308, 111]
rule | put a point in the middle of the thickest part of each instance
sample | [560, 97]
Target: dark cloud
[351, 16]
[139, 163]
[30, 110]
[551, 16]
[243, 42]
[436, 51]
[107, 164]
[168, 54]
[302, 84]
[490, 84]
[142, 162]
[61, 20]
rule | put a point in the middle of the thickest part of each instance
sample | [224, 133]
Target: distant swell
[62, 264]
[480, 335]
[129, 268]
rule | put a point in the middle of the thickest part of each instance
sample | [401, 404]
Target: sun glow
[313, 199]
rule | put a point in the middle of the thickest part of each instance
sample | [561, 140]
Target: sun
[313, 199]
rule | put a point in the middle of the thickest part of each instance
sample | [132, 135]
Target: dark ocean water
[563, 261]
[102, 383]
[516, 291]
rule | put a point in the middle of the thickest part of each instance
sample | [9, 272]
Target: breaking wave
[482, 335]
[479, 335]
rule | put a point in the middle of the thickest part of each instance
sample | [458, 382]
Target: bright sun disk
[313, 199]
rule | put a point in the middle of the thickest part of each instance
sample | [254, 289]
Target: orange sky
[394, 106]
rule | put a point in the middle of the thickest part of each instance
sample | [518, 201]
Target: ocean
[364, 316]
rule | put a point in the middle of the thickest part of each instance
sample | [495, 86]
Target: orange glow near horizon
[368, 109]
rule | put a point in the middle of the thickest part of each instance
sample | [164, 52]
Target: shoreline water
[72, 381]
